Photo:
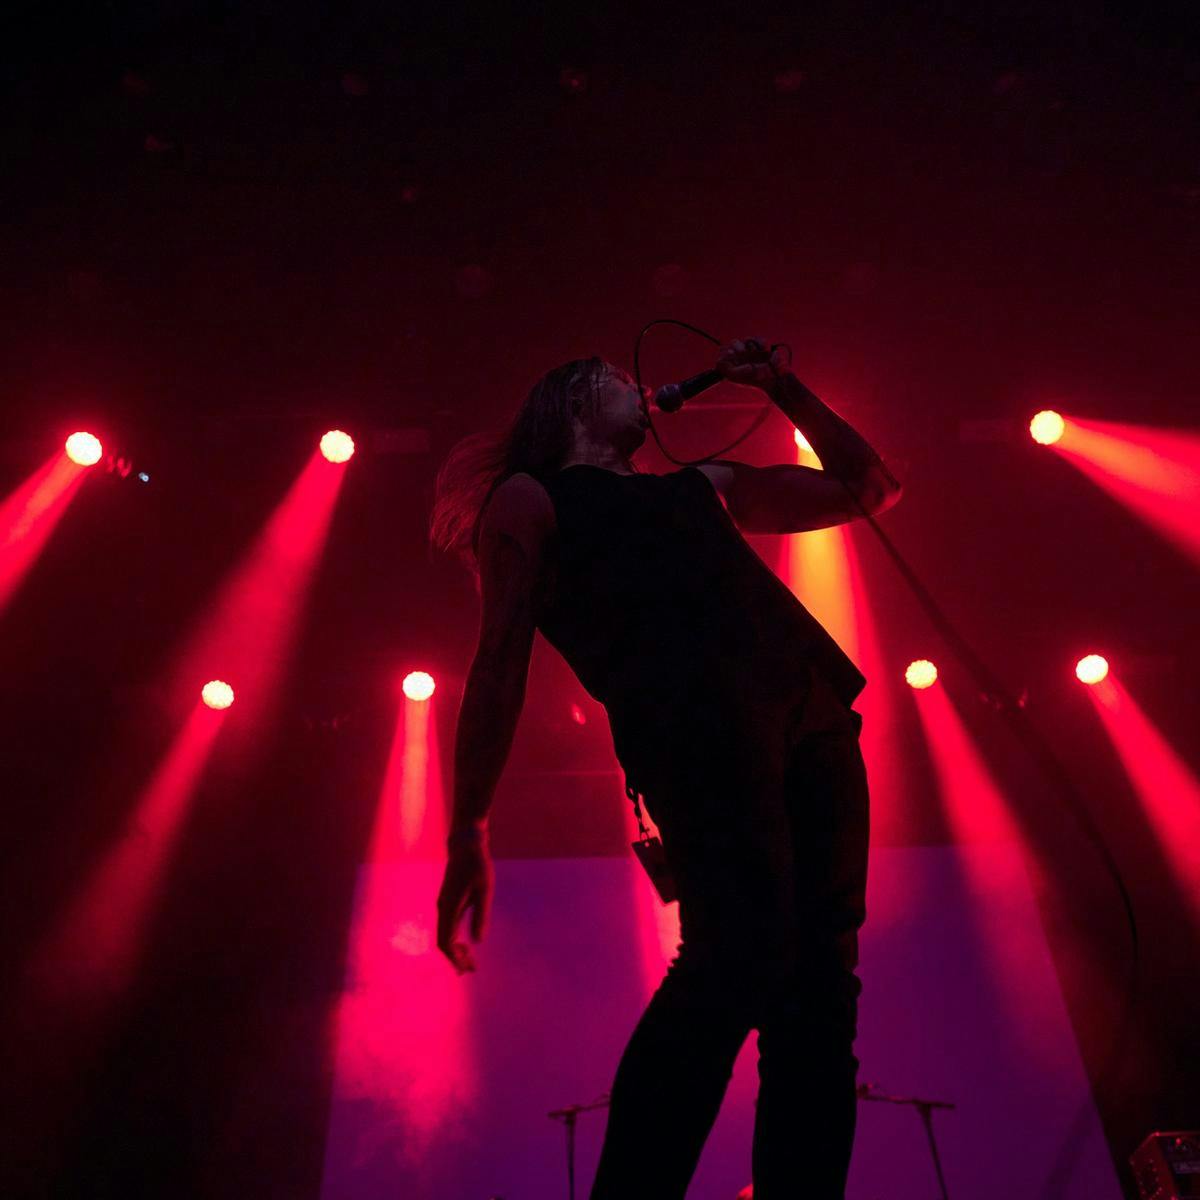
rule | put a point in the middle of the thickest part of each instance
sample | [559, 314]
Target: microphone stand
[868, 1091]
[568, 1116]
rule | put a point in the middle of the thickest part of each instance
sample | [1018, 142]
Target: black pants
[769, 851]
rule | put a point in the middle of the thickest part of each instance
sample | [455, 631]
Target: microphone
[670, 397]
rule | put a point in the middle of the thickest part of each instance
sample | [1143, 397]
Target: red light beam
[28, 517]
[978, 815]
[1169, 792]
[251, 623]
[95, 945]
[402, 1026]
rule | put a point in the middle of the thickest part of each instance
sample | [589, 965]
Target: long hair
[536, 441]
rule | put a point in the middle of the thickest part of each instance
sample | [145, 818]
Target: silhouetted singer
[730, 710]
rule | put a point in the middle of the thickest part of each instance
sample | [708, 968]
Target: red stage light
[217, 694]
[1047, 427]
[920, 673]
[337, 446]
[1091, 668]
[29, 514]
[802, 442]
[418, 685]
[84, 449]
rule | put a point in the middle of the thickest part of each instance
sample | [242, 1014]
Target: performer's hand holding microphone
[751, 362]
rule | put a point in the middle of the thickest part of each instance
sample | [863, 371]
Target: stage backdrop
[443, 1084]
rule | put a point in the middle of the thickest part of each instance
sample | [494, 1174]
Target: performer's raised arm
[789, 498]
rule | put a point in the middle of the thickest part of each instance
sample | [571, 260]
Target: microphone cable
[993, 692]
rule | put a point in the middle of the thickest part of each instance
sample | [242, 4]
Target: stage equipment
[868, 1091]
[568, 1117]
[1092, 668]
[1166, 1166]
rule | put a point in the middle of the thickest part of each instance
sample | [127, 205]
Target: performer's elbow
[881, 494]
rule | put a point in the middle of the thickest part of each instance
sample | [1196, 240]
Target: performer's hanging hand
[751, 362]
[468, 883]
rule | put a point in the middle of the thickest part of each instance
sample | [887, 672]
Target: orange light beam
[821, 566]
[1153, 472]
[407, 824]
[1169, 792]
[28, 516]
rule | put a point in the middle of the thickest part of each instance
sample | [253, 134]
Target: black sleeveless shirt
[663, 609]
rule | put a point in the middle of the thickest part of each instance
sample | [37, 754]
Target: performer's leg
[670, 1083]
[807, 1108]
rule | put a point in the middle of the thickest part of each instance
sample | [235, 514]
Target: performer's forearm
[843, 451]
[487, 721]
